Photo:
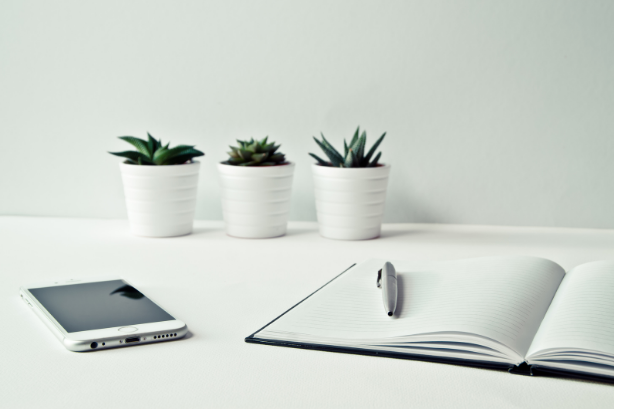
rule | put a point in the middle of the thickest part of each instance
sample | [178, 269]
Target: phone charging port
[134, 339]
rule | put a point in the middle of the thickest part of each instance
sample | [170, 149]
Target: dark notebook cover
[522, 369]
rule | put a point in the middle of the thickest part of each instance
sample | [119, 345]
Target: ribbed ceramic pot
[161, 199]
[350, 201]
[255, 200]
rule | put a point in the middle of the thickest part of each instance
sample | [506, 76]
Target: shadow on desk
[198, 232]
[300, 232]
[392, 233]
[187, 336]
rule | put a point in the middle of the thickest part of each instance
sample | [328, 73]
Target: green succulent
[353, 152]
[255, 154]
[152, 152]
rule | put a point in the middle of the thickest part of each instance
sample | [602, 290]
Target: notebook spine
[385, 354]
[537, 371]
[522, 369]
[562, 373]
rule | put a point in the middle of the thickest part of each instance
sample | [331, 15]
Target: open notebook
[524, 314]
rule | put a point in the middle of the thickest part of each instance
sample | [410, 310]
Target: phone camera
[93, 345]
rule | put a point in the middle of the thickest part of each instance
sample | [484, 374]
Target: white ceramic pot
[161, 199]
[255, 200]
[350, 201]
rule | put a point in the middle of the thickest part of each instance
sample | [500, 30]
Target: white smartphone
[99, 314]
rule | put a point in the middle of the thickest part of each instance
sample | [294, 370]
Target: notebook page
[581, 315]
[502, 298]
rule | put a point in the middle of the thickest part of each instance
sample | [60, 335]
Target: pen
[386, 281]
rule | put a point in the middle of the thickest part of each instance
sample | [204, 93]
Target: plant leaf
[319, 160]
[134, 156]
[234, 153]
[335, 158]
[357, 148]
[325, 144]
[159, 155]
[361, 143]
[257, 152]
[349, 162]
[355, 137]
[245, 155]
[373, 149]
[180, 155]
[270, 148]
[152, 145]
[140, 144]
[249, 164]
[182, 159]
[164, 156]
[279, 157]
[375, 161]
[254, 146]
[331, 147]
[274, 149]
[260, 157]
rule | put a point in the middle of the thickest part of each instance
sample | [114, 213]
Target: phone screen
[98, 305]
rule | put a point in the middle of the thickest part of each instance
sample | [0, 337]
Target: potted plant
[160, 186]
[256, 183]
[350, 189]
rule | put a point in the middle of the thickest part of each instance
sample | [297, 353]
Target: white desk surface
[225, 289]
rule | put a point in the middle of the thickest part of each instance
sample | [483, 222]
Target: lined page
[501, 298]
[581, 315]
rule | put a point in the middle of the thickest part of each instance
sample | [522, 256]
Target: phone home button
[128, 329]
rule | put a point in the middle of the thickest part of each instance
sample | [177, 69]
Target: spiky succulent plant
[353, 157]
[152, 152]
[255, 153]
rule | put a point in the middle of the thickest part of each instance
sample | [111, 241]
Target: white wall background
[496, 112]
